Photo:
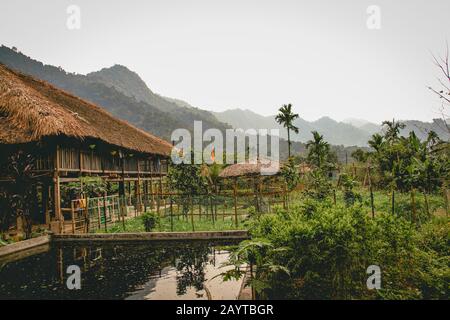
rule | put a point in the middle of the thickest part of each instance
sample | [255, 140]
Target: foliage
[348, 184]
[92, 187]
[360, 155]
[188, 180]
[405, 163]
[149, 220]
[17, 196]
[319, 153]
[290, 174]
[317, 185]
[322, 251]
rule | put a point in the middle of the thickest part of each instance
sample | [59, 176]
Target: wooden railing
[70, 159]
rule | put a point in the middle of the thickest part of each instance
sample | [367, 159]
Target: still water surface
[169, 270]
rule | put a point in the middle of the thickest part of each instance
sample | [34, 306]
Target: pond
[144, 271]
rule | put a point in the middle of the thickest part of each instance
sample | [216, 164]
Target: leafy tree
[286, 117]
[360, 155]
[290, 174]
[319, 153]
[18, 194]
[392, 130]
[348, 185]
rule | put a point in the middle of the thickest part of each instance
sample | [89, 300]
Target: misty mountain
[350, 132]
[120, 91]
[334, 132]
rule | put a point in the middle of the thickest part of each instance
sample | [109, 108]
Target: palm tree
[392, 129]
[318, 149]
[286, 117]
[376, 142]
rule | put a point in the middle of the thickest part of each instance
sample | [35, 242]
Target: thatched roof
[32, 109]
[247, 169]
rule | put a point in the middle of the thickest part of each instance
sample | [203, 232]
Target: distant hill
[120, 91]
[350, 132]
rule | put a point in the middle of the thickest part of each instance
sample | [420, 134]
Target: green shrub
[326, 250]
[149, 219]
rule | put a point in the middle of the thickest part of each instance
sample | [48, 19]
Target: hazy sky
[216, 55]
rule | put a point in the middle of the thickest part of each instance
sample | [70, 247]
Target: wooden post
[73, 216]
[152, 203]
[365, 178]
[99, 217]
[113, 209]
[334, 196]
[87, 220]
[160, 183]
[123, 212]
[57, 192]
[46, 197]
[371, 192]
[137, 192]
[137, 188]
[192, 215]
[235, 202]
[158, 203]
[105, 207]
[171, 214]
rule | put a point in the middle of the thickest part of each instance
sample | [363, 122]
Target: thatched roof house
[69, 138]
[31, 109]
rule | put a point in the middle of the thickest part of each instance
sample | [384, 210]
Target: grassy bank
[179, 224]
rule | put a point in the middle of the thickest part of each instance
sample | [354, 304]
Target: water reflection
[121, 271]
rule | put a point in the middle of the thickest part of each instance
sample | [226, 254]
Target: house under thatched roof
[31, 110]
[249, 169]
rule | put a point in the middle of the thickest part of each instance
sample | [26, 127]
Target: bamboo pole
[57, 191]
[235, 202]
[105, 207]
[113, 209]
[192, 215]
[72, 209]
[122, 212]
[98, 214]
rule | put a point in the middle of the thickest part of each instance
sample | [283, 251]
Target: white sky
[217, 55]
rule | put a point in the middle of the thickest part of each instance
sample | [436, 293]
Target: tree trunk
[289, 143]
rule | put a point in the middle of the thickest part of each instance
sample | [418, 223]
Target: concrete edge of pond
[24, 245]
[155, 236]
